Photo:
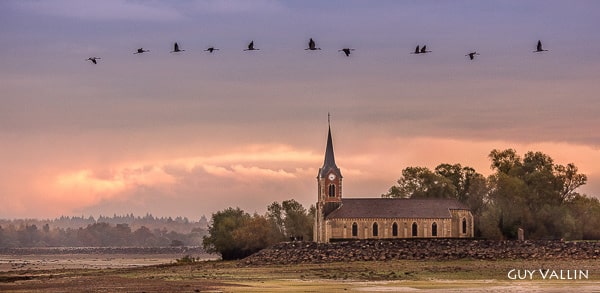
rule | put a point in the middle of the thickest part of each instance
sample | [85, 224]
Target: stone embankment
[422, 249]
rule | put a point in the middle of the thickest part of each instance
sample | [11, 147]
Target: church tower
[329, 198]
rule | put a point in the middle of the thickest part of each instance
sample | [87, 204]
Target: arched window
[354, 229]
[375, 230]
[434, 229]
[414, 229]
[464, 226]
[395, 230]
[331, 190]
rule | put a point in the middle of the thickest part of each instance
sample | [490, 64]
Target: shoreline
[100, 250]
[53, 258]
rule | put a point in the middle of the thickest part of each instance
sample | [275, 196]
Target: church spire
[329, 162]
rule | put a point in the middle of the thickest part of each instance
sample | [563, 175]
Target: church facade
[340, 218]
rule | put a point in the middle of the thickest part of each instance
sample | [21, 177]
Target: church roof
[329, 162]
[396, 208]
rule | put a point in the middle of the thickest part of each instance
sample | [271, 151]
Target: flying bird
[251, 47]
[141, 50]
[312, 45]
[211, 49]
[176, 48]
[472, 55]
[539, 47]
[346, 51]
[417, 50]
[422, 50]
[93, 59]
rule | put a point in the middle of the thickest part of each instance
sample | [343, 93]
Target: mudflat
[124, 273]
[23, 259]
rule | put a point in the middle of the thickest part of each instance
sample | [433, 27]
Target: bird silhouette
[312, 45]
[93, 59]
[422, 50]
[211, 49]
[176, 48]
[251, 47]
[140, 51]
[472, 55]
[346, 51]
[539, 47]
[417, 50]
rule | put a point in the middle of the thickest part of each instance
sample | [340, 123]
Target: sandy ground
[159, 273]
[81, 261]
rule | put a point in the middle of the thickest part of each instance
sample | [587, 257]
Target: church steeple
[329, 162]
[329, 181]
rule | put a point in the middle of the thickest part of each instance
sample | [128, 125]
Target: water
[93, 257]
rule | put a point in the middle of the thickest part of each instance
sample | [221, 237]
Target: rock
[422, 249]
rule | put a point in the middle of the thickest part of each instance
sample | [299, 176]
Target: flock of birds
[311, 46]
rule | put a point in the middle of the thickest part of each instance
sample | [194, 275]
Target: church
[339, 218]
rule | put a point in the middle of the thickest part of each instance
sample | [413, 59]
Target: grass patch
[187, 260]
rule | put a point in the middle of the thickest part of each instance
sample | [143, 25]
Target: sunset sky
[191, 133]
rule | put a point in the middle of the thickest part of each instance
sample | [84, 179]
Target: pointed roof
[329, 162]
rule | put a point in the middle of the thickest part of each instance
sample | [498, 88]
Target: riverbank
[66, 258]
[361, 276]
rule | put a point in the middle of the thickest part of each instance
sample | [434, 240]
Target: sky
[192, 133]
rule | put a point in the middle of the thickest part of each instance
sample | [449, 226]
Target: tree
[570, 181]
[254, 235]
[447, 181]
[235, 234]
[420, 182]
[291, 219]
[547, 181]
[507, 206]
[121, 235]
[276, 217]
[465, 180]
[144, 237]
[221, 233]
[298, 222]
[506, 161]
[533, 193]
[586, 214]
[530, 192]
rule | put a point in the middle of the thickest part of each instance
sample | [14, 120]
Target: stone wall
[421, 249]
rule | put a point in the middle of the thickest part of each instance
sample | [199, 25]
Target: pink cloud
[253, 176]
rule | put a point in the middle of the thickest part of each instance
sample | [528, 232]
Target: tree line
[118, 231]
[235, 234]
[97, 235]
[530, 192]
